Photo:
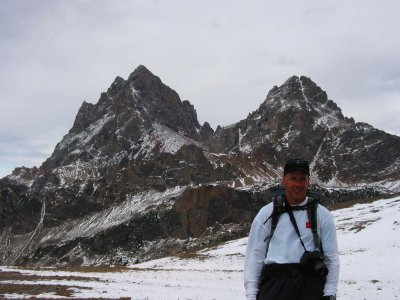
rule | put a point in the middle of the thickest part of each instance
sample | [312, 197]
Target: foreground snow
[368, 236]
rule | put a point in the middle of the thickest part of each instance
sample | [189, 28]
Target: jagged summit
[116, 86]
[301, 93]
[298, 120]
[122, 118]
[141, 70]
[299, 109]
[141, 76]
[141, 79]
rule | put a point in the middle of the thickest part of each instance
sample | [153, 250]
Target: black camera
[314, 262]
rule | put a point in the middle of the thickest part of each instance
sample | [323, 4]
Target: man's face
[296, 184]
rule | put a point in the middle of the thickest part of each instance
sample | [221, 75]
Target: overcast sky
[222, 56]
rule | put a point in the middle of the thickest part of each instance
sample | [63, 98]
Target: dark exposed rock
[137, 177]
[194, 213]
[298, 120]
[206, 132]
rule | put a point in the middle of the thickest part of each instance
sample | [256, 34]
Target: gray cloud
[216, 54]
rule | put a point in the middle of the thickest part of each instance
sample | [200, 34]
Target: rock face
[298, 120]
[137, 177]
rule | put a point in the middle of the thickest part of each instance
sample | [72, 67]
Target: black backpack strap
[312, 203]
[278, 209]
[312, 217]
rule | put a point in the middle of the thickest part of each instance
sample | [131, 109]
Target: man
[272, 269]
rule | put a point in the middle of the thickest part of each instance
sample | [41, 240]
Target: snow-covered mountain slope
[369, 247]
[369, 244]
[162, 139]
[108, 218]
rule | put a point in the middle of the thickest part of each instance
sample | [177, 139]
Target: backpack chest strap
[280, 208]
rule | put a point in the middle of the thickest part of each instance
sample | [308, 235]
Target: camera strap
[293, 220]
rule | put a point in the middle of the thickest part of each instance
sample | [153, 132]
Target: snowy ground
[369, 243]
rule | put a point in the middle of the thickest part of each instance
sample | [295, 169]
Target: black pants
[289, 282]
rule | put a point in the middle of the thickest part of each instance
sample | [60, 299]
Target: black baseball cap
[297, 165]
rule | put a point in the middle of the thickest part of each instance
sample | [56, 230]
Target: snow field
[369, 244]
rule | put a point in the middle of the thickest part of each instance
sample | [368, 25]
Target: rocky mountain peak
[83, 118]
[141, 70]
[139, 177]
[116, 86]
[302, 96]
[143, 79]
[122, 118]
[298, 90]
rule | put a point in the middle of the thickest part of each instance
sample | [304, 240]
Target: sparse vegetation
[34, 289]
